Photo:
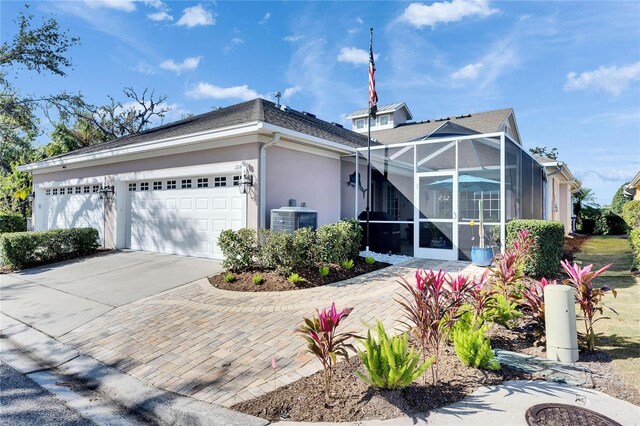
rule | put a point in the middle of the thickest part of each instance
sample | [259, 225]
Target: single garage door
[74, 207]
[183, 215]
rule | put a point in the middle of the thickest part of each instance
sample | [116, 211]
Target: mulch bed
[274, 281]
[354, 400]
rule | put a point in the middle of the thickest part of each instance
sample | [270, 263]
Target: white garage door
[183, 216]
[74, 207]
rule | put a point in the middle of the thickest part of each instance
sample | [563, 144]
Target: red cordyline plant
[479, 296]
[533, 303]
[587, 296]
[431, 308]
[509, 269]
[325, 342]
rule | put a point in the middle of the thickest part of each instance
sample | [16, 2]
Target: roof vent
[442, 119]
[284, 108]
[463, 116]
[337, 124]
[308, 114]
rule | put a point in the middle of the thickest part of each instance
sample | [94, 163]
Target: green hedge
[610, 223]
[25, 249]
[631, 213]
[546, 256]
[634, 242]
[287, 253]
[12, 222]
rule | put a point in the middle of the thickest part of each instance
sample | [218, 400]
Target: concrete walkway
[58, 298]
[216, 345]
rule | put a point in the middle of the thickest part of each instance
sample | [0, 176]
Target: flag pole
[371, 71]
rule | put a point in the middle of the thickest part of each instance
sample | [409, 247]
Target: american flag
[373, 96]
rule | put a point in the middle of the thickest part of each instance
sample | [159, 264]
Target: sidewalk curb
[166, 407]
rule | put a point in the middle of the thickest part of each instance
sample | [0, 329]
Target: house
[632, 190]
[174, 188]
[559, 188]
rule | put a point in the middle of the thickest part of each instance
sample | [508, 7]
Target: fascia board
[305, 138]
[149, 146]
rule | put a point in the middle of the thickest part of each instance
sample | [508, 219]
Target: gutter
[262, 180]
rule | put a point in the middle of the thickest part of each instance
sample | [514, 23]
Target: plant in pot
[480, 255]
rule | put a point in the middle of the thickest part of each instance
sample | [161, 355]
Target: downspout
[262, 180]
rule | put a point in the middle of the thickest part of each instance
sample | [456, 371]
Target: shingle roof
[482, 122]
[245, 112]
[363, 112]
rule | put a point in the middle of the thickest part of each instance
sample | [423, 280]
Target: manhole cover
[565, 415]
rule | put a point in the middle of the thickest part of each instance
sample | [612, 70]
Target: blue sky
[571, 70]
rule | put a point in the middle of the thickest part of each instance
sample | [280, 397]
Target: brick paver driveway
[217, 345]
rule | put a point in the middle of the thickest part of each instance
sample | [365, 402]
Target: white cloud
[468, 72]
[290, 91]
[293, 38]
[196, 15]
[160, 16]
[358, 27]
[265, 19]
[612, 80]
[143, 68]
[355, 56]
[123, 5]
[189, 64]
[204, 90]
[607, 175]
[421, 15]
[233, 43]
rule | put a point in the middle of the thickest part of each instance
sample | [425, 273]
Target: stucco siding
[306, 177]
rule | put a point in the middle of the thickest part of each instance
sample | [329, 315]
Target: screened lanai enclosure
[425, 194]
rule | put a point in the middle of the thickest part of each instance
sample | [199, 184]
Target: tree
[619, 199]
[87, 124]
[542, 151]
[42, 49]
[583, 199]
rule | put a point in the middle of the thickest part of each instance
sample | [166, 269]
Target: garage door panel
[184, 221]
[75, 211]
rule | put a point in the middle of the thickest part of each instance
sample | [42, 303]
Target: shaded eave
[554, 167]
[192, 141]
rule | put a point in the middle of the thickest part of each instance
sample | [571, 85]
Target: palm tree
[583, 198]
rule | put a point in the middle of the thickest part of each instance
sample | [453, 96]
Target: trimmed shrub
[587, 226]
[634, 241]
[547, 253]
[285, 252]
[12, 222]
[24, 249]
[631, 213]
[238, 248]
[339, 241]
[610, 223]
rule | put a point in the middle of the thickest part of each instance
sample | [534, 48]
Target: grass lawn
[620, 335]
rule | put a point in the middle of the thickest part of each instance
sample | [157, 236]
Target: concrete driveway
[58, 298]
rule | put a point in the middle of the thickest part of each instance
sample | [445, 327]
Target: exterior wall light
[106, 192]
[31, 197]
[246, 181]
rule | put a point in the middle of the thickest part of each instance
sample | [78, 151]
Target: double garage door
[176, 216]
[182, 216]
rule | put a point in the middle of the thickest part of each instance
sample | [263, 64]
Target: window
[85, 189]
[203, 182]
[220, 181]
[171, 184]
[383, 120]
[47, 192]
[144, 186]
[61, 191]
[236, 180]
[132, 187]
[95, 188]
[157, 185]
[78, 189]
[186, 183]
[360, 123]
[55, 191]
